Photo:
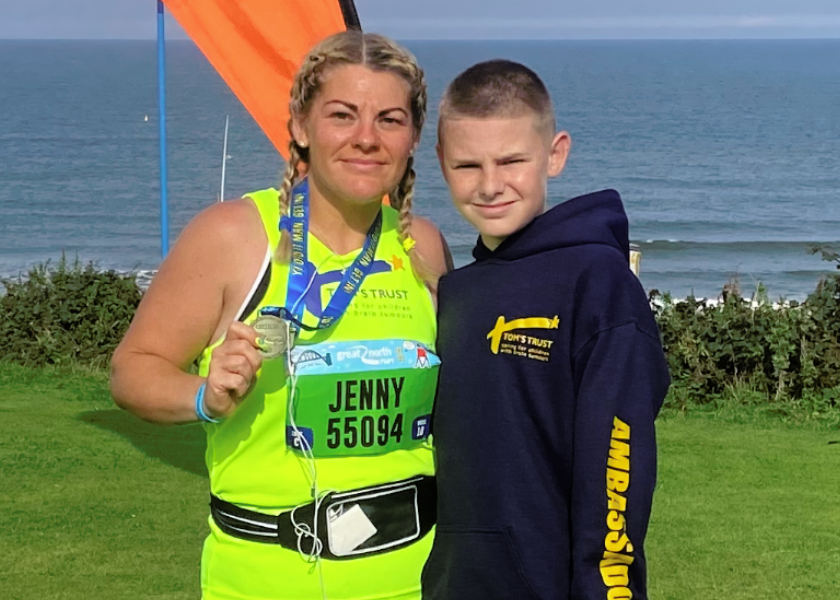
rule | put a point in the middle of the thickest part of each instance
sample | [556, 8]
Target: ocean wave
[735, 246]
[745, 275]
[144, 278]
[79, 140]
[782, 228]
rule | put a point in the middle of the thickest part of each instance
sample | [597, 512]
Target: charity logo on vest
[297, 224]
[375, 302]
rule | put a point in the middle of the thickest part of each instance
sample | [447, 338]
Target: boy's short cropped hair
[498, 88]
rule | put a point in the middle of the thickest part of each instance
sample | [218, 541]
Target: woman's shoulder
[210, 268]
[431, 245]
[231, 221]
[218, 243]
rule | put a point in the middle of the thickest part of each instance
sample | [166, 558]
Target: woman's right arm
[191, 302]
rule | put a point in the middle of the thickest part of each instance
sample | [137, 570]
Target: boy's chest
[505, 357]
[505, 321]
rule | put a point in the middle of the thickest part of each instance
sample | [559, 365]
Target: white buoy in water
[146, 118]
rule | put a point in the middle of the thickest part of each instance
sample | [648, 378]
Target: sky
[469, 19]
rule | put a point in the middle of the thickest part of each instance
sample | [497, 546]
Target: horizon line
[471, 39]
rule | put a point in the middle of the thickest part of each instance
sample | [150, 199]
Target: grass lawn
[745, 511]
[96, 504]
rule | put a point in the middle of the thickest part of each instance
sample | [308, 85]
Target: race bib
[361, 398]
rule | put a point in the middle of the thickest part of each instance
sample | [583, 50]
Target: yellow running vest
[370, 428]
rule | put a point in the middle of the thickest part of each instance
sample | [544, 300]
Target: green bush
[781, 358]
[65, 314]
[784, 353]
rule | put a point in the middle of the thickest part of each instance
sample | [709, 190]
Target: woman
[317, 416]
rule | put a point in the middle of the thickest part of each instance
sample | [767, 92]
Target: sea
[726, 153]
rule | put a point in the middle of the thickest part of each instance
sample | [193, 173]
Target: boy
[552, 368]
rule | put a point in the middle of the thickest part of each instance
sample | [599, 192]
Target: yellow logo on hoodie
[502, 340]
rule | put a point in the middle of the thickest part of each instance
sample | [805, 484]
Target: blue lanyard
[300, 268]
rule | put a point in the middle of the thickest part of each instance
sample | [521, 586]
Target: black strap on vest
[258, 295]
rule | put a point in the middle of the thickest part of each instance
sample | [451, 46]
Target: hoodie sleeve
[621, 378]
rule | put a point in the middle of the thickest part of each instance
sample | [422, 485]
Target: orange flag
[257, 46]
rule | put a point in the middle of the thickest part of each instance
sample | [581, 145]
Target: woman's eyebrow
[344, 103]
[353, 107]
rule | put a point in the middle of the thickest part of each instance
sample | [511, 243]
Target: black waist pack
[341, 525]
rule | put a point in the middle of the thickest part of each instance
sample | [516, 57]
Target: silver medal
[272, 336]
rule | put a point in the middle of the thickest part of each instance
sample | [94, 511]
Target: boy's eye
[467, 166]
[513, 161]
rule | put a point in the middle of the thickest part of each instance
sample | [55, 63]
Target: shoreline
[144, 279]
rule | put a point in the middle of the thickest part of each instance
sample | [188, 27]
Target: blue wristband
[199, 406]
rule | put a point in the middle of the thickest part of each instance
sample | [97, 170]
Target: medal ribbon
[299, 266]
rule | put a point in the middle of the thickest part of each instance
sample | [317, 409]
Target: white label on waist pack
[348, 528]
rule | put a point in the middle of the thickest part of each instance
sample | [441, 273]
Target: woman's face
[359, 132]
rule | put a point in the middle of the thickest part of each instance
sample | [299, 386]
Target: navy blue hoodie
[552, 375]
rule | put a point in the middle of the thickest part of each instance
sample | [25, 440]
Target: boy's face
[497, 170]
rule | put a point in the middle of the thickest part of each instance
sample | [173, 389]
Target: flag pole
[224, 159]
[164, 206]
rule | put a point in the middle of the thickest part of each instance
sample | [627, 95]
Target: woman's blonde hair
[377, 53]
